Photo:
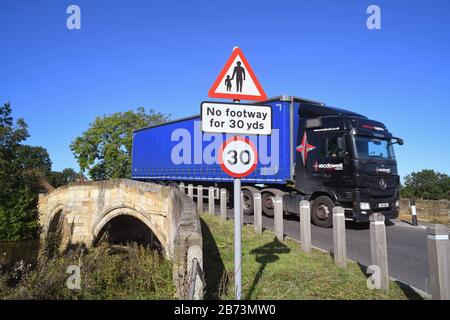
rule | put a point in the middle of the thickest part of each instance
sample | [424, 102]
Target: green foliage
[426, 184]
[104, 150]
[33, 159]
[57, 178]
[19, 182]
[138, 274]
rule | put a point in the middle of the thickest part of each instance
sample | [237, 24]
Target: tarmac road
[407, 246]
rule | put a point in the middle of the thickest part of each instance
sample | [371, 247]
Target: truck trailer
[326, 155]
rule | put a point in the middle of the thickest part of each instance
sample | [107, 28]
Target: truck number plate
[383, 205]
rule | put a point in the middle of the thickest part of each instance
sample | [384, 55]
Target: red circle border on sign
[243, 174]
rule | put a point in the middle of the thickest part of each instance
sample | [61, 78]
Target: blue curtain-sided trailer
[328, 156]
[180, 151]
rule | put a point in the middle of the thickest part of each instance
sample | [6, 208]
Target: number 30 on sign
[238, 157]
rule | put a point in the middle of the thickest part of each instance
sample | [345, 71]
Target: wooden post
[278, 217]
[439, 261]
[200, 199]
[257, 214]
[305, 226]
[339, 237]
[378, 247]
[223, 204]
[211, 200]
[191, 191]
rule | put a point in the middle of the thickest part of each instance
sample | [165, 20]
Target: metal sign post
[237, 239]
[237, 236]
[238, 156]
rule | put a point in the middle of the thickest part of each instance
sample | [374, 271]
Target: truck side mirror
[399, 141]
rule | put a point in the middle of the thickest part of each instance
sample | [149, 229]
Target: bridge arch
[56, 214]
[86, 207]
[124, 211]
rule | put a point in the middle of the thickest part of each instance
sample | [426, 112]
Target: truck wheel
[267, 203]
[322, 212]
[248, 202]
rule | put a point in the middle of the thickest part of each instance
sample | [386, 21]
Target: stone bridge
[84, 212]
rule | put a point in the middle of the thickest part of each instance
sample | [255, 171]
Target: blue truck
[326, 155]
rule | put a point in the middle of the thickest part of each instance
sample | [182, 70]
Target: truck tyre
[248, 202]
[322, 212]
[267, 203]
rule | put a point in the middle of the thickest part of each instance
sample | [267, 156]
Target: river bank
[96, 274]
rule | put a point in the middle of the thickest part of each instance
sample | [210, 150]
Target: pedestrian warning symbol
[237, 80]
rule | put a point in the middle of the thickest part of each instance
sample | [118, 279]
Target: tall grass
[134, 273]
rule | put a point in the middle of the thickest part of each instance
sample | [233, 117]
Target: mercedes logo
[383, 184]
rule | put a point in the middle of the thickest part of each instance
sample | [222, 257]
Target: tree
[19, 184]
[34, 158]
[104, 150]
[427, 184]
[57, 178]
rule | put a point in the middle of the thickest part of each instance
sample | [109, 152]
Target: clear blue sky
[166, 54]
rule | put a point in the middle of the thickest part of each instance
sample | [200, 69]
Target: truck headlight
[397, 204]
[364, 206]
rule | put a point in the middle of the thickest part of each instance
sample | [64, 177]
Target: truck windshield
[368, 148]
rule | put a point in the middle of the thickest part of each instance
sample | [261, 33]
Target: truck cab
[344, 158]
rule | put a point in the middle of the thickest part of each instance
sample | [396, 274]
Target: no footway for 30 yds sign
[236, 118]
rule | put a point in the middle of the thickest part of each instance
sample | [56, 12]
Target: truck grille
[382, 183]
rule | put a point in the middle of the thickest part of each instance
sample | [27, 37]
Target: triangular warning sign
[237, 80]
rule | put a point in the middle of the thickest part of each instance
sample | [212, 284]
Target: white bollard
[223, 204]
[278, 217]
[200, 199]
[339, 237]
[182, 187]
[257, 214]
[439, 261]
[305, 226]
[191, 191]
[211, 200]
[378, 247]
[413, 212]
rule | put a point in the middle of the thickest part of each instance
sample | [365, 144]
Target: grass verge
[274, 270]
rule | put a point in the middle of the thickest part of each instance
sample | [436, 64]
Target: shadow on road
[215, 273]
[266, 254]
[409, 292]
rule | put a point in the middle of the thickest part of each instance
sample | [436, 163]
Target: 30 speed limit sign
[238, 157]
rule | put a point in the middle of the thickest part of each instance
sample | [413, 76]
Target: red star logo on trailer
[304, 148]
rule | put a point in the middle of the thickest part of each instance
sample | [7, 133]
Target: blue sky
[166, 54]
